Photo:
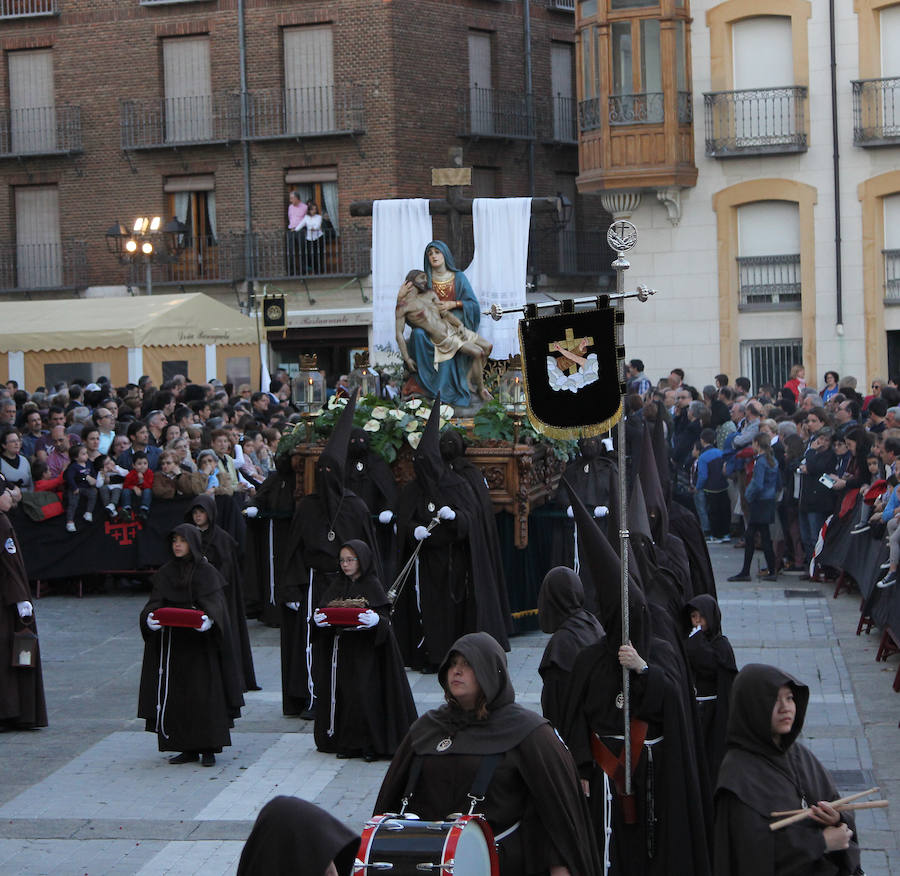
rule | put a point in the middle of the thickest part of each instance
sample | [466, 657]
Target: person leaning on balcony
[296, 214]
[314, 241]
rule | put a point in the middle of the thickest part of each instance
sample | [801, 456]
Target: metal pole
[149, 274]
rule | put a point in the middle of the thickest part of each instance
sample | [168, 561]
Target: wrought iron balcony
[570, 253]
[755, 121]
[590, 114]
[43, 130]
[876, 112]
[289, 113]
[37, 267]
[769, 282]
[891, 275]
[281, 255]
[562, 5]
[204, 260]
[490, 112]
[28, 8]
[168, 2]
[636, 109]
[560, 123]
[170, 122]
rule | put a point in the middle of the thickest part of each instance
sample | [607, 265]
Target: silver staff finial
[496, 312]
[621, 235]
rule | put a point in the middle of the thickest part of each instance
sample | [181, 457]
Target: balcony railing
[490, 112]
[563, 5]
[180, 121]
[203, 260]
[35, 267]
[321, 111]
[876, 112]
[167, 2]
[570, 253]
[43, 130]
[561, 120]
[27, 8]
[768, 282]
[891, 275]
[755, 121]
[590, 114]
[636, 109]
[280, 255]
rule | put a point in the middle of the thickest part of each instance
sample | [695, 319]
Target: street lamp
[142, 242]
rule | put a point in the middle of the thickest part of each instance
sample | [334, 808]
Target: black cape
[191, 676]
[535, 782]
[372, 707]
[759, 776]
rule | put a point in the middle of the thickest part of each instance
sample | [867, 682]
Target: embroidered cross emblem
[123, 533]
[569, 343]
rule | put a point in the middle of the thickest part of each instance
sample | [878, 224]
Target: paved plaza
[91, 795]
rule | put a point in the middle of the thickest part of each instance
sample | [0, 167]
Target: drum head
[472, 856]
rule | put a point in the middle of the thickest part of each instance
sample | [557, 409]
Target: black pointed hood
[606, 573]
[332, 462]
[653, 491]
[638, 520]
[428, 463]
[661, 454]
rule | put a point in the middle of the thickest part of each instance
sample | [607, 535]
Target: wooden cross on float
[569, 343]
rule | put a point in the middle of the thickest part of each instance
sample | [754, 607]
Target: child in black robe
[365, 704]
[190, 686]
[766, 770]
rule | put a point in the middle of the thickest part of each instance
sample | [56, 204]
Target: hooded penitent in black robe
[22, 702]
[669, 835]
[190, 683]
[535, 782]
[267, 542]
[561, 611]
[323, 521]
[292, 837]
[222, 551]
[452, 589]
[364, 702]
[712, 664]
[759, 776]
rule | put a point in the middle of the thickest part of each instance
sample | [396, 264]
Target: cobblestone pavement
[92, 795]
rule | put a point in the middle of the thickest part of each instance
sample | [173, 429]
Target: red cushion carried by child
[342, 615]
[179, 617]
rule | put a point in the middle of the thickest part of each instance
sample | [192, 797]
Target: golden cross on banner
[570, 343]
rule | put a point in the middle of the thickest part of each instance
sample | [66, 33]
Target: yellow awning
[139, 321]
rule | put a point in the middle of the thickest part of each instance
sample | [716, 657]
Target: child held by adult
[80, 483]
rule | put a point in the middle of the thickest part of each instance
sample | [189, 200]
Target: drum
[406, 846]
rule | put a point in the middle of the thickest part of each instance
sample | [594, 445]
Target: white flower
[447, 412]
[379, 413]
[413, 404]
[414, 438]
[395, 414]
[335, 402]
[424, 413]
[412, 426]
[372, 426]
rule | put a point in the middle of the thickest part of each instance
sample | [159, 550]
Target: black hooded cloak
[561, 611]
[534, 784]
[292, 837]
[713, 667]
[452, 590]
[759, 776]
[190, 683]
[222, 551]
[365, 704]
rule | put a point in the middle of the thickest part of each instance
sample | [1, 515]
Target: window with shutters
[309, 90]
[481, 93]
[32, 102]
[39, 257]
[876, 101]
[562, 92]
[891, 251]
[188, 90]
[192, 200]
[769, 255]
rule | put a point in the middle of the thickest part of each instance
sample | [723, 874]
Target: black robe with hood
[190, 682]
[292, 837]
[759, 776]
[222, 551]
[535, 782]
[561, 612]
[364, 701]
[453, 589]
[713, 668]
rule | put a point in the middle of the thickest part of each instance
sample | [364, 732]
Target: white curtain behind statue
[401, 229]
[499, 269]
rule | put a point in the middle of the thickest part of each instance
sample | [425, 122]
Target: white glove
[420, 533]
[153, 623]
[601, 511]
[368, 618]
[445, 512]
[696, 630]
[386, 517]
[207, 624]
[251, 511]
[25, 609]
[321, 619]
[607, 444]
[569, 512]
[293, 606]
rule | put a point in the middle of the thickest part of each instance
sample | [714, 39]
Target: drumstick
[846, 807]
[800, 816]
[838, 802]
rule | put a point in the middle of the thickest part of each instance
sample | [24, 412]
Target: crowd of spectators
[89, 448]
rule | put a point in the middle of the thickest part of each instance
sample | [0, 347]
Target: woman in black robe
[222, 551]
[190, 690]
[711, 659]
[561, 611]
[292, 837]
[534, 788]
[365, 705]
[766, 770]
[22, 704]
